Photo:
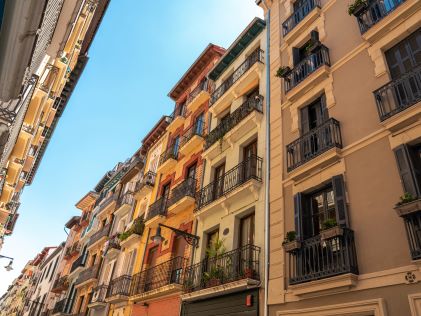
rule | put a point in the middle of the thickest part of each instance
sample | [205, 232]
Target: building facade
[344, 148]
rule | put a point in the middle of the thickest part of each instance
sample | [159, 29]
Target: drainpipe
[267, 153]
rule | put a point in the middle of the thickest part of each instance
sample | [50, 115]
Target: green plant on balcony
[357, 7]
[406, 198]
[290, 236]
[290, 243]
[329, 223]
[137, 228]
[216, 273]
[330, 229]
[283, 71]
[214, 276]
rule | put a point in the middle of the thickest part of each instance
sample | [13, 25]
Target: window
[314, 115]
[200, 124]
[408, 159]
[176, 145]
[247, 231]
[212, 237]
[165, 191]
[306, 50]
[54, 269]
[218, 183]
[191, 171]
[312, 209]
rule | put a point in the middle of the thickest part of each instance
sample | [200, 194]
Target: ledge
[155, 221]
[132, 239]
[162, 291]
[326, 286]
[403, 119]
[222, 289]
[182, 204]
[303, 25]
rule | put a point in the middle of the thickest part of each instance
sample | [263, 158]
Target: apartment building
[225, 272]
[49, 62]
[345, 138]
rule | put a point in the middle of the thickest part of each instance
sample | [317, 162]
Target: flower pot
[248, 273]
[408, 208]
[331, 233]
[359, 9]
[291, 246]
[213, 282]
[285, 72]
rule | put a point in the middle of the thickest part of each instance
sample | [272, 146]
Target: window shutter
[131, 263]
[304, 120]
[298, 215]
[340, 200]
[405, 169]
[295, 55]
[324, 111]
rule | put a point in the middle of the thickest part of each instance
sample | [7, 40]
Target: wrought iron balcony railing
[120, 286]
[306, 67]
[60, 306]
[250, 105]
[198, 129]
[159, 207]
[398, 95]
[314, 143]
[88, 274]
[375, 11]
[99, 294]
[60, 284]
[106, 201]
[170, 153]
[256, 56]
[413, 230]
[147, 180]
[169, 272]
[299, 14]
[202, 86]
[238, 264]
[79, 262]
[184, 189]
[250, 168]
[102, 232]
[319, 259]
[127, 198]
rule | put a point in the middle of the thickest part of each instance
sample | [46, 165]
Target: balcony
[182, 196]
[319, 259]
[217, 102]
[98, 297]
[72, 251]
[157, 212]
[374, 12]
[168, 159]
[397, 96]
[78, 263]
[192, 140]
[313, 144]
[178, 117]
[125, 203]
[198, 96]
[10, 225]
[235, 269]
[241, 121]
[411, 214]
[119, 289]
[60, 285]
[59, 307]
[250, 170]
[106, 204]
[302, 17]
[100, 235]
[88, 275]
[146, 184]
[162, 279]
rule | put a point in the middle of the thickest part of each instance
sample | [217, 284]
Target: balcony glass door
[152, 259]
[250, 161]
[180, 245]
[219, 178]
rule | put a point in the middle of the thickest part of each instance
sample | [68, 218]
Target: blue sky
[141, 50]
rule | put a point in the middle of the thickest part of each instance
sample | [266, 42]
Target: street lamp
[9, 266]
[192, 240]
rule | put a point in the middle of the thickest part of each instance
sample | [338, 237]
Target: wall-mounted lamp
[192, 240]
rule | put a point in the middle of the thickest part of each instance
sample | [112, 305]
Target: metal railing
[99, 294]
[202, 86]
[102, 232]
[120, 286]
[179, 111]
[306, 67]
[250, 105]
[398, 95]
[375, 11]
[299, 14]
[87, 274]
[59, 306]
[250, 168]
[79, 262]
[198, 129]
[314, 143]
[106, 201]
[238, 264]
[170, 153]
[184, 189]
[60, 284]
[127, 198]
[159, 207]
[319, 259]
[169, 272]
[147, 180]
[256, 56]
[413, 230]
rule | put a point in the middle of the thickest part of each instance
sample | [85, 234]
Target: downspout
[267, 165]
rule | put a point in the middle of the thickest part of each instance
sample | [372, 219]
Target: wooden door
[219, 178]
[149, 278]
[179, 250]
[250, 161]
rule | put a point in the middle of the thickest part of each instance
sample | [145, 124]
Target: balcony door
[176, 145]
[218, 180]
[151, 262]
[199, 124]
[180, 245]
[250, 160]
[246, 243]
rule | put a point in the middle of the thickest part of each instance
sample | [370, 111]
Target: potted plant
[357, 7]
[290, 243]
[330, 229]
[283, 72]
[214, 276]
[248, 273]
[408, 204]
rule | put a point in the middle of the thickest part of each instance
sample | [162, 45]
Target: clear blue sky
[141, 50]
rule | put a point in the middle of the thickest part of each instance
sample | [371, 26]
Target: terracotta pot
[248, 273]
[331, 233]
[408, 208]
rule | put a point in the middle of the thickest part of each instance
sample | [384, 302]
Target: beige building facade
[345, 135]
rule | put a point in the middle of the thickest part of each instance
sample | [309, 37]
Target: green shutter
[340, 200]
